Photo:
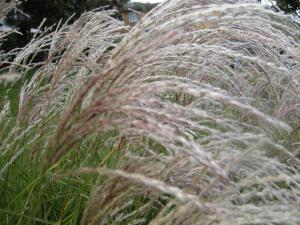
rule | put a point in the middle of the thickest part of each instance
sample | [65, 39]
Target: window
[133, 17]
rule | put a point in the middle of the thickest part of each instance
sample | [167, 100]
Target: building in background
[132, 12]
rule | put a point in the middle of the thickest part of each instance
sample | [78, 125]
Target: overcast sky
[145, 1]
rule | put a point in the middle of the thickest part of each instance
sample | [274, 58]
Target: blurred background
[30, 13]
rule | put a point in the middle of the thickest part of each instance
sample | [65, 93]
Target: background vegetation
[33, 12]
[289, 5]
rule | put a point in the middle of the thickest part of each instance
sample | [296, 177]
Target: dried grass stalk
[202, 111]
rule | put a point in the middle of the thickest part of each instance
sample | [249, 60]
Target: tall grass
[191, 117]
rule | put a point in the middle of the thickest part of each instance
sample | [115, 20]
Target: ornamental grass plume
[198, 106]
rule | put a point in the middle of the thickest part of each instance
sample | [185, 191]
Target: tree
[289, 6]
[52, 11]
[89, 4]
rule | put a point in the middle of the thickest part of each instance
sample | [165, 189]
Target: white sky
[145, 1]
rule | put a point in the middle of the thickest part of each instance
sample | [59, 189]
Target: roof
[138, 6]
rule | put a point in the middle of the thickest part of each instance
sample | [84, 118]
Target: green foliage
[54, 10]
[288, 5]
[12, 92]
[51, 10]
